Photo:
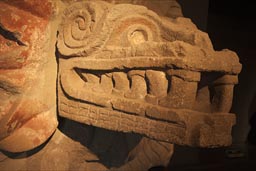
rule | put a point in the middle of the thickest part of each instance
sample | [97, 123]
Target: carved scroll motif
[82, 31]
[124, 68]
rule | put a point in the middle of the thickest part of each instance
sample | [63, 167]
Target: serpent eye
[137, 36]
[134, 31]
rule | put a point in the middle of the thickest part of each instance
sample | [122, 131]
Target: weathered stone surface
[27, 75]
[152, 80]
[133, 44]
[169, 8]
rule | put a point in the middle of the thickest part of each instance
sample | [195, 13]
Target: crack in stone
[13, 36]
[8, 88]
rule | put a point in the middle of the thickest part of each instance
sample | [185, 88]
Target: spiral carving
[82, 31]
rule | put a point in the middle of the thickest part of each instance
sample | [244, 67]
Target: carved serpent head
[124, 68]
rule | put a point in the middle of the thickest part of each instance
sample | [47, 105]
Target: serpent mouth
[132, 71]
[152, 96]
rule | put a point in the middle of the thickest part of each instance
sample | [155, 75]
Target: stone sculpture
[27, 81]
[126, 69]
[123, 68]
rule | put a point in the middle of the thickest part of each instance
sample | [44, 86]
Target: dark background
[232, 25]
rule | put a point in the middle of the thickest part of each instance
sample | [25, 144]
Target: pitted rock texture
[124, 68]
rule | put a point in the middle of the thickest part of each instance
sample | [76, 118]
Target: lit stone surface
[27, 75]
[131, 78]
[173, 49]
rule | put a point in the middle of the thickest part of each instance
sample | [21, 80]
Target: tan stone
[140, 46]
[138, 80]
